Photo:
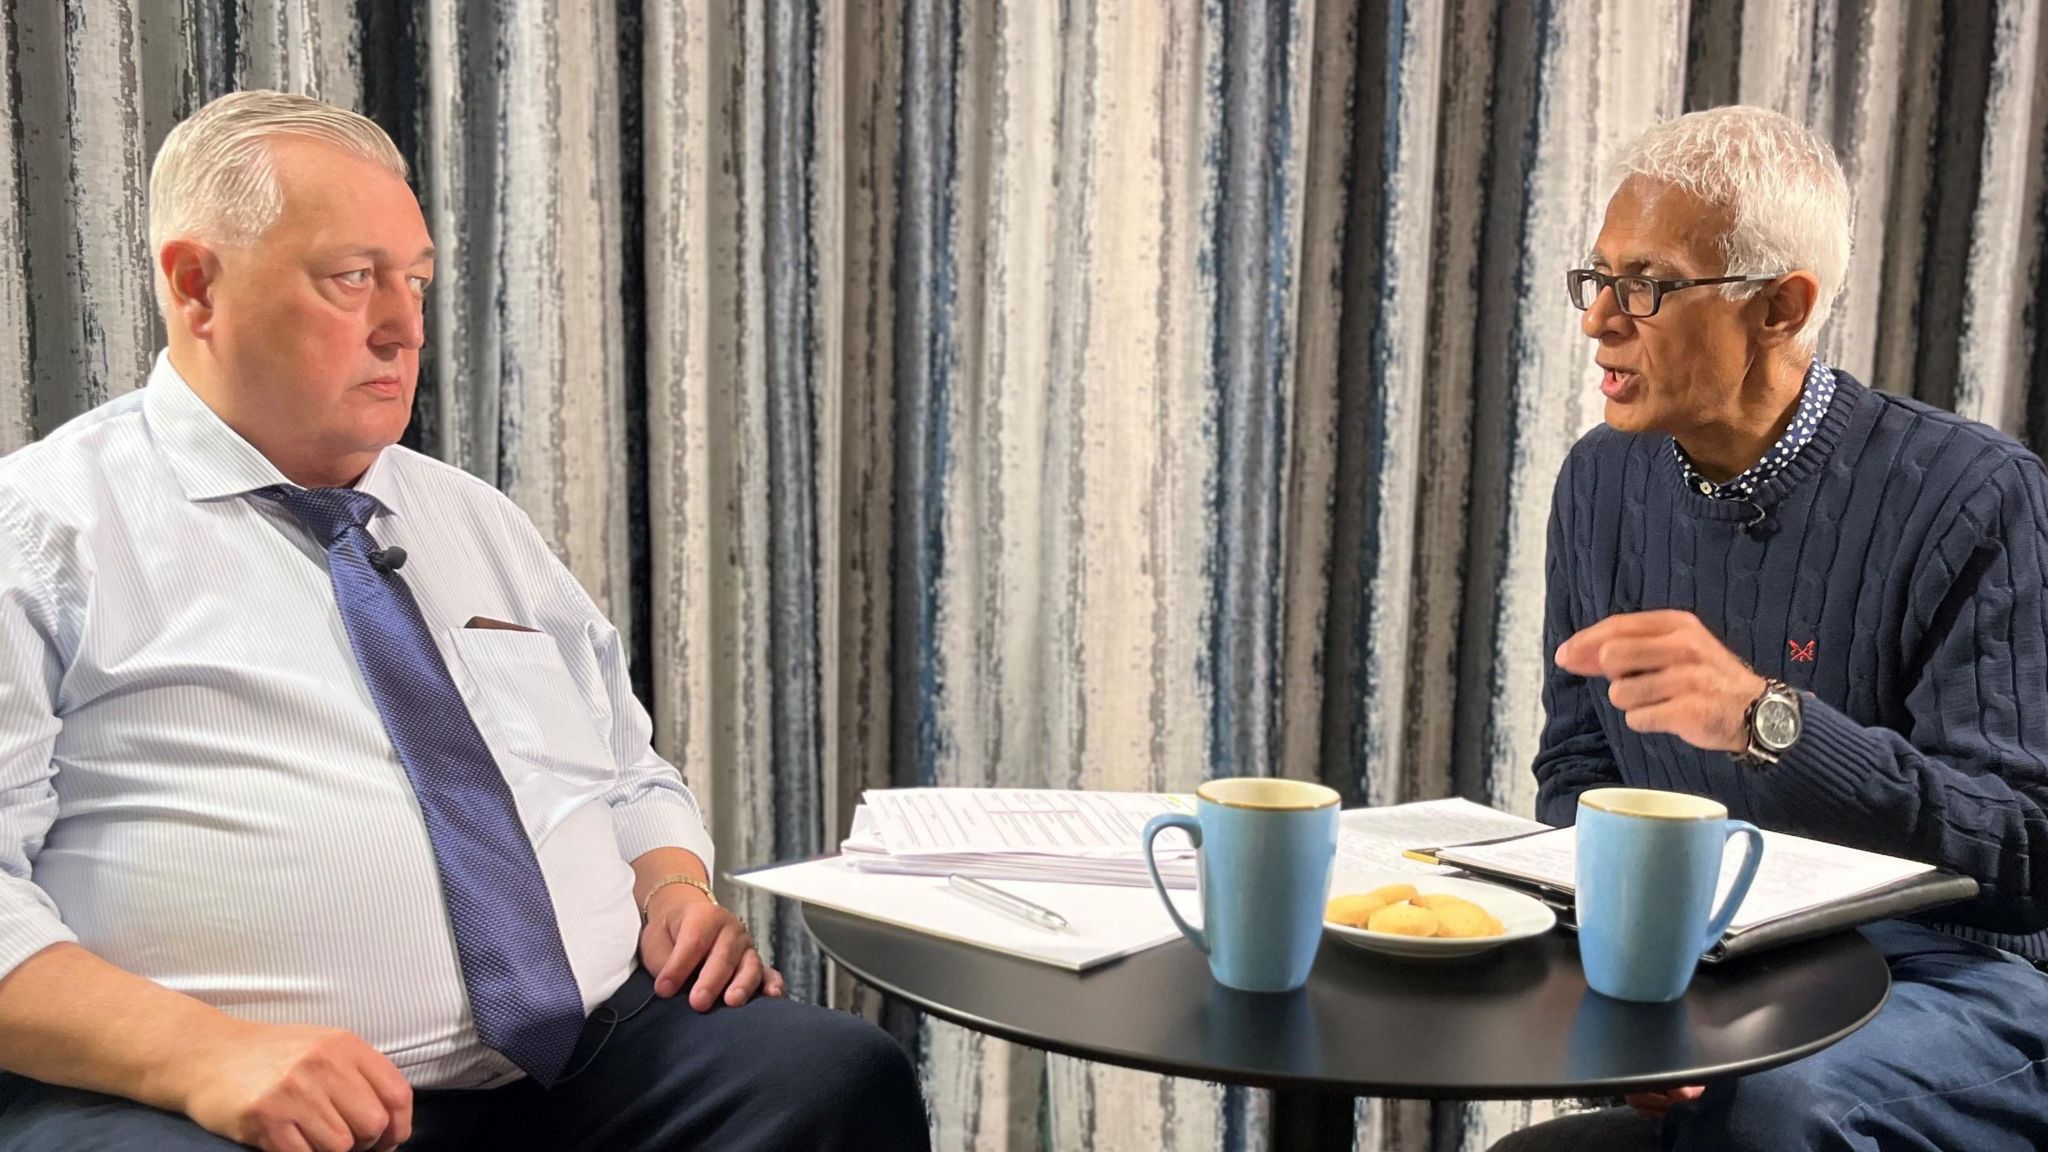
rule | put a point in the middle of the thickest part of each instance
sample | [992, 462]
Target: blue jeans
[649, 1075]
[1958, 1059]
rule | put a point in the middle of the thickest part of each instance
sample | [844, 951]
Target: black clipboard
[1903, 897]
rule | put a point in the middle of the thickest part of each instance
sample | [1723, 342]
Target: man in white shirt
[328, 819]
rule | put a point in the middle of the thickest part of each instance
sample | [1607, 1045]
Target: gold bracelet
[678, 878]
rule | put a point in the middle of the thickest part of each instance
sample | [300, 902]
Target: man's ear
[193, 272]
[1787, 303]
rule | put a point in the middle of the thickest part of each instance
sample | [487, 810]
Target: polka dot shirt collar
[1814, 398]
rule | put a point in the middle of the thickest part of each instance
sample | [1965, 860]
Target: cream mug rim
[1313, 795]
[1644, 804]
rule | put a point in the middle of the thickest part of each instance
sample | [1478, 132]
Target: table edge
[1610, 1087]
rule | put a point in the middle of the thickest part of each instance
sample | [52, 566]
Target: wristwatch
[1775, 719]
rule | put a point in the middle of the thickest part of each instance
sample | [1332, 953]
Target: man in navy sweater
[1824, 606]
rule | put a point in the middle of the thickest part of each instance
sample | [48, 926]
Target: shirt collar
[1816, 394]
[210, 459]
[380, 482]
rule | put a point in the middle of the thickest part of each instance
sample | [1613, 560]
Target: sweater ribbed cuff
[1828, 773]
[2033, 949]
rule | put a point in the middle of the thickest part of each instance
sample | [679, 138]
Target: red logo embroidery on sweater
[1801, 653]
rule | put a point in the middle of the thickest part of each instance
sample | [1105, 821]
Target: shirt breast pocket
[541, 727]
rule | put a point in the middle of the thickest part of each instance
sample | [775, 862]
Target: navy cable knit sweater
[1900, 577]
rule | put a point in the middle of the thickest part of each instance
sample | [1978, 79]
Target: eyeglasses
[1637, 295]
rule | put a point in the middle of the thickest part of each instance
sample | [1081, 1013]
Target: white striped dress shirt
[194, 782]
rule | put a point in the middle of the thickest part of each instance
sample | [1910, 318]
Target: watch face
[1777, 724]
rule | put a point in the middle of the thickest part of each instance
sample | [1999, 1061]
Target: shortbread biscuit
[1403, 920]
[1465, 920]
[1393, 893]
[1353, 910]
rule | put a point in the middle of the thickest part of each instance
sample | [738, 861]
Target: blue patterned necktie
[522, 992]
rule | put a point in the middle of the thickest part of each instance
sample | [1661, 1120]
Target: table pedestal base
[1305, 1120]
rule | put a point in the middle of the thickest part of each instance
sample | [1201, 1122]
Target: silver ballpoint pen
[1002, 901]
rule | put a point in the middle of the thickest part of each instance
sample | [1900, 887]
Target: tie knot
[326, 512]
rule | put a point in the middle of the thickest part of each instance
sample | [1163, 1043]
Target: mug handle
[1750, 859]
[1193, 828]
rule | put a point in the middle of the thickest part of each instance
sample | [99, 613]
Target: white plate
[1523, 916]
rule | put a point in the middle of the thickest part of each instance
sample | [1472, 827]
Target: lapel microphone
[1757, 527]
[388, 560]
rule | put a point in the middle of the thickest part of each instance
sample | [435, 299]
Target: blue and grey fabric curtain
[1111, 393]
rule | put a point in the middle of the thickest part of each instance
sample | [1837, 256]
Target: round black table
[1517, 1022]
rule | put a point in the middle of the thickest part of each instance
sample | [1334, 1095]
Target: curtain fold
[18, 424]
[1109, 393]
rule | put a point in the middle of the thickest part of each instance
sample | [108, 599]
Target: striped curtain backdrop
[1108, 394]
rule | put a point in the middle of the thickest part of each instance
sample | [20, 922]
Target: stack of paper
[1076, 853]
[1019, 834]
[1093, 837]
[1374, 839]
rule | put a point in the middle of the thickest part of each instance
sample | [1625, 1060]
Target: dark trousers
[1957, 1059]
[649, 1075]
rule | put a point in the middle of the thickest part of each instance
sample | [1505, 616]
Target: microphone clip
[387, 560]
[1759, 525]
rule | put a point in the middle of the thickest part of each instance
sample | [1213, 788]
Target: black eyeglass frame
[1658, 288]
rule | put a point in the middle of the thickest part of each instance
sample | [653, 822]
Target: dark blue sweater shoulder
[1897, 571]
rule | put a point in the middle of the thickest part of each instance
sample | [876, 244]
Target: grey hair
[214, 180]
[1778, 179]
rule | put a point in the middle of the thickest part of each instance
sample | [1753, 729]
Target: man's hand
[286, 1088]
[686, 932]
[1667, 673]
[1656, 1104]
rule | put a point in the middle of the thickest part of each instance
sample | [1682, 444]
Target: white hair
[1778, 179]
[214, 180]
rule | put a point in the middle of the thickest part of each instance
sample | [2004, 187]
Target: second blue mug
[1648, 865]
[1265, 850]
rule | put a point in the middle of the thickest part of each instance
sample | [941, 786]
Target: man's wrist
[655, 866]
[205, 1041]
[669, 889]
[1738, 743]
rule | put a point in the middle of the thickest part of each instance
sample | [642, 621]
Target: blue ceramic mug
[1648, 865]
[1265, 849]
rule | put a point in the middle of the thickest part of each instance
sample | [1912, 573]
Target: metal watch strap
[678, 878]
